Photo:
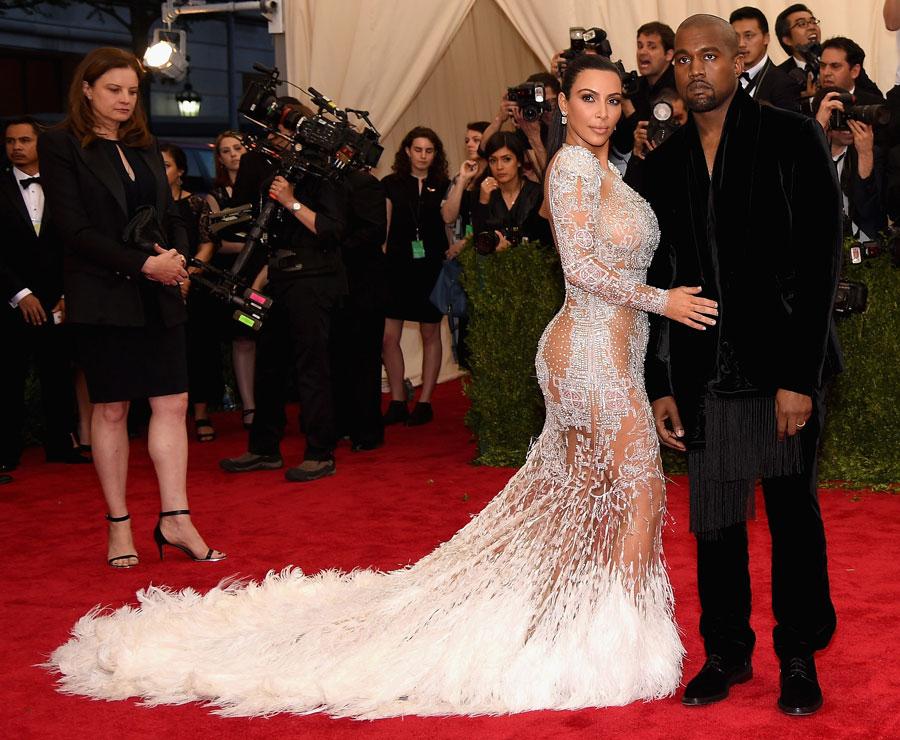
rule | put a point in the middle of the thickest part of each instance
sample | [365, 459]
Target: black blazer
[763, 239]
[865, 198]
[776, 87]
[103, 279]
[26, 259]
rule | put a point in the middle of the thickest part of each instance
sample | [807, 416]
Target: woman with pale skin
[204, 365]
[229, 149]
[125, 307]
[415, 247]
[452, 209]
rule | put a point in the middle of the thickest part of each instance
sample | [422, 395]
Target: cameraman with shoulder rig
[507, 210]
[306, 282]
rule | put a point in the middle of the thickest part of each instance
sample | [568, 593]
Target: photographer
[456, 208]
[761, 79]
[650, 134]
[532, 125]
[859, 164]
[306, 282]
[655, 46]
[508, 203]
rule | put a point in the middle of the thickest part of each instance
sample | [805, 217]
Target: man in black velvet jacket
[748, 205]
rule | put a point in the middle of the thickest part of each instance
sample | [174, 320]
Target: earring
[564, 119]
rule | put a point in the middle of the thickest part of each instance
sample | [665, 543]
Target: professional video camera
[322, 146]
[662, 122]
[595, 40]
[874, 115]
[486, 242]
[529, 96]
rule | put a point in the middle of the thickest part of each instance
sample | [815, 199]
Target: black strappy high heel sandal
[113, 561]
[160, 540]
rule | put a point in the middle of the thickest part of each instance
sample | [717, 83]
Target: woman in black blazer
[124, 306]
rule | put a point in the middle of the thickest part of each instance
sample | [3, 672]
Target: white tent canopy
[441, 63]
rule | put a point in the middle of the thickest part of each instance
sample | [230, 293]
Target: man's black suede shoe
[800, 692]
[716, 676]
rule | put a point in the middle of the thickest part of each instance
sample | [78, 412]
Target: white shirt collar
[19, 175]
[799, 62]
[755, 69]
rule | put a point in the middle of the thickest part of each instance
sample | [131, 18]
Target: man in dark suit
[761, 79]
[749, 209]
[31, 284]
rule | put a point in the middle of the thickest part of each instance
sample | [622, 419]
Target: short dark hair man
[31, 287]
[654, 63]
[749, 209]
[762, 80]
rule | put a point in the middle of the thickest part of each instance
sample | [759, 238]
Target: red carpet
[383, 509]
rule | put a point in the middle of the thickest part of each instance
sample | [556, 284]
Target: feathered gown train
[554, 597]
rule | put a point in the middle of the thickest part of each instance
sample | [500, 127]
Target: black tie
[29, 181]
[746, 77]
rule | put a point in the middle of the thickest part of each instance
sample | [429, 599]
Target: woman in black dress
[416, 243]
[229, 148]
[508, 203]
[204, 357]
[99, 167]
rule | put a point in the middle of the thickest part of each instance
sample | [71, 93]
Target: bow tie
[745, 76]
[29, 181]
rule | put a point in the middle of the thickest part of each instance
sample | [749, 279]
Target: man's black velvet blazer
[764, 241]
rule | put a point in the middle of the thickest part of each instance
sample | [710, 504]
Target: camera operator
[508, 203]
[532, 130]
[859, 164]
[359, 323]
[650, 134]
[306, 281]
[761, 79]
[655, 46]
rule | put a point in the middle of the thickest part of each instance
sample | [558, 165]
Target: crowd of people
[578, 530]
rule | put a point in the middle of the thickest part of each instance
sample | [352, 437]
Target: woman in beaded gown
[554, 597]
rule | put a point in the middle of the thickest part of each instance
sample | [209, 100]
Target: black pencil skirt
[127, 363]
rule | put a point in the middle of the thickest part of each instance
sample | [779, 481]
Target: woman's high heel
[160, 540]
[114, 562]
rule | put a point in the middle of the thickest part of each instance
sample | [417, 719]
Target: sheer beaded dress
[554, 597]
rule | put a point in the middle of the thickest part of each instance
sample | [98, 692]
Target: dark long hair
[438, 169]
[579, 64]
[223, 179]
[509, 139]
[80, 116]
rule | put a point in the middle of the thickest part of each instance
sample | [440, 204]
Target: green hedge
[861, 444]
[513, 294]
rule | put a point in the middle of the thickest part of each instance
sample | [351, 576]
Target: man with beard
[749, 209]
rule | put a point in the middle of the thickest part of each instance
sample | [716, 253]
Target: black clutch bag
[144, 231]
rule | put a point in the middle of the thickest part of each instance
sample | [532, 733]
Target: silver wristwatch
[296, 206]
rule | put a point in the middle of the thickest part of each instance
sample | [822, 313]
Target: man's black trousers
[804, 615]
[295, 340]
[49, 347]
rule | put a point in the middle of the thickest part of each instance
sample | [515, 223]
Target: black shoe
[421, 414]
[9, 466]
[396, 413]
[212, 556]
[69, 457]
[800, 692]
[310, 470]
[249, 462]
[4, 479]
[366, 446]
[716, 676]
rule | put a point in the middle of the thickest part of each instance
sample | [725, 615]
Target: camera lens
[486, 242]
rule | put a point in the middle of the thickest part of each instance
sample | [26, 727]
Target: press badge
[418, 249]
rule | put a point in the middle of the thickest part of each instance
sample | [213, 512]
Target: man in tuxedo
[796, 28]
[749, 209]
[31, 283]
[761, 79]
